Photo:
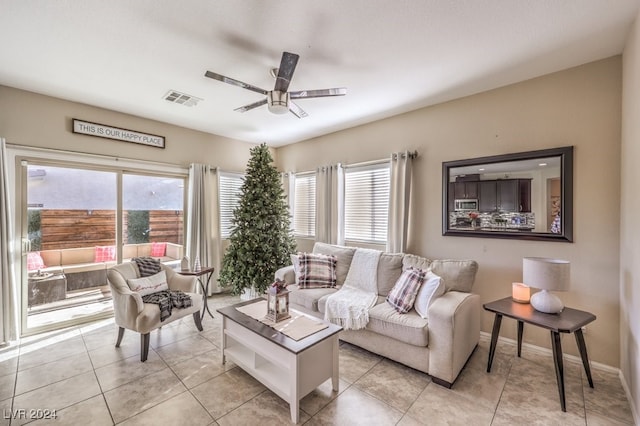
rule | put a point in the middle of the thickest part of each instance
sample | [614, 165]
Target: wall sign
[110, 132]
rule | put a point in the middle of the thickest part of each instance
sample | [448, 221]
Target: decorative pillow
[105, 254]
[150, 284]
[403, 294]
[34, 261]
[158, 249]
[316, 270]
[432, 288]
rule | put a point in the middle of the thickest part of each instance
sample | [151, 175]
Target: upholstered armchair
[133, 314]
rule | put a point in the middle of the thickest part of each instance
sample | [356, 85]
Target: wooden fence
[87, 228]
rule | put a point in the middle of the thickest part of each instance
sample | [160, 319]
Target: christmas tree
[261, 240]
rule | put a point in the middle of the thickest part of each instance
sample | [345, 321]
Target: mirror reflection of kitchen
[516, 196]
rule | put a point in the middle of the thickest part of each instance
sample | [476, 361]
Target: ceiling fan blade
[296, 110]
[285, 71]
[320, 93]
[234, 82]
[251, 106]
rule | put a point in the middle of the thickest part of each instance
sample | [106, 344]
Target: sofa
[439, 345]
[86, 267]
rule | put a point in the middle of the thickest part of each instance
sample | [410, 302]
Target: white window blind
[229, 194]
[366, 203]
[304, 208]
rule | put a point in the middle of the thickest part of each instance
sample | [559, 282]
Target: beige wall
[580, 107]
[42, 121]
[629, 231]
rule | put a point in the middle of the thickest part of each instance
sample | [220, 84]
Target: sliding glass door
[77, 222]
[71, 224]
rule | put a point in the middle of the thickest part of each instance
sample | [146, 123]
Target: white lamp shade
[545, 273]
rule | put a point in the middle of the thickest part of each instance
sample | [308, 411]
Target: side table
[567, 321]
[204, 286]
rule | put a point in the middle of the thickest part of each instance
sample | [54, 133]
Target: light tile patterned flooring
[80, 374]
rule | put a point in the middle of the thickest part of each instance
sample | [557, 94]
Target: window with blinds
[304, 205]
[229, 194]
[366, 203]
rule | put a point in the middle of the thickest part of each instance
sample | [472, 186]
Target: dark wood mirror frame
[565, 159]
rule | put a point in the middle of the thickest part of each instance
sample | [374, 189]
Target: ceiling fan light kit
[279, 100]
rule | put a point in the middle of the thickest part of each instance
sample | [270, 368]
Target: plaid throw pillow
[104, 254]
[34, 261]
[316, 270]
[404, 291]
[158, 249]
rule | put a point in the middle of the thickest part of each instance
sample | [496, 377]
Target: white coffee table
[289, 368]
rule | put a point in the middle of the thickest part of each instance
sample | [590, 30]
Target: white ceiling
[392, 55]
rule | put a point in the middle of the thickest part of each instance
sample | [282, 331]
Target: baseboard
[545, 351]
[634, 409]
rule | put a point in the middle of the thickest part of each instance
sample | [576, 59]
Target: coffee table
[289, 368]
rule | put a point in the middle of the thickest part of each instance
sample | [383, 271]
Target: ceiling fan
[278, 100]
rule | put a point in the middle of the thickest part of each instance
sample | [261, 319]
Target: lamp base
[546, 302]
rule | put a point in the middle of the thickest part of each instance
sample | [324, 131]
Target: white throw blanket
[349, 306]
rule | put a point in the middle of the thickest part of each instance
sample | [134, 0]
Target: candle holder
[520, 293]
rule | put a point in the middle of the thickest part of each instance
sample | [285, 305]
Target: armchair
[133, 314]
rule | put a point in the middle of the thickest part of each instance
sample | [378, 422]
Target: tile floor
[80, 374]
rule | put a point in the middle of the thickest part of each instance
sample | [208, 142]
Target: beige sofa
[82, 271]
[439, 346]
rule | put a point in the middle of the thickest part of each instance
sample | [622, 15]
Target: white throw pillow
[432, 288]
[150, 284]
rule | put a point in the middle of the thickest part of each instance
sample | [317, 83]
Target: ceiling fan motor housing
[278, 102]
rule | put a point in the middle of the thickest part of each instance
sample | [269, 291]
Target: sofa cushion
[432, 288]
[77, 255]
[458, 275]
[316, 270]
[129, 251]
[50, 257]
[389, 270]
[344, 256]
[403, 294]
[408, 328]
[308, 297]
[413, 261]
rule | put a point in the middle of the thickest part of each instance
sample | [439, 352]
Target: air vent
[181, 98]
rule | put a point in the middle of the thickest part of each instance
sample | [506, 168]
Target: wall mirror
[526, 195]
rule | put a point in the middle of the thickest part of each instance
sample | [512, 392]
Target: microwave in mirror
[465, 205]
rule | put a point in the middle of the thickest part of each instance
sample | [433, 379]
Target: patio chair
[133, 314]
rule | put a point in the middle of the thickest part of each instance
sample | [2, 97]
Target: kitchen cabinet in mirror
[525, 195]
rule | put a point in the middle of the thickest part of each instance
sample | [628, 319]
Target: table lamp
[546, 274]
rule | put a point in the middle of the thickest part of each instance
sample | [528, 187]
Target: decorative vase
[184, 265]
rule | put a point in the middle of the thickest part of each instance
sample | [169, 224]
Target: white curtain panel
[203, 224]
[399, 197]
[328, 187]
[288, 180]
[8, 294]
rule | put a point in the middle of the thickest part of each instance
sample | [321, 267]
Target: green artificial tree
[261, 240]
